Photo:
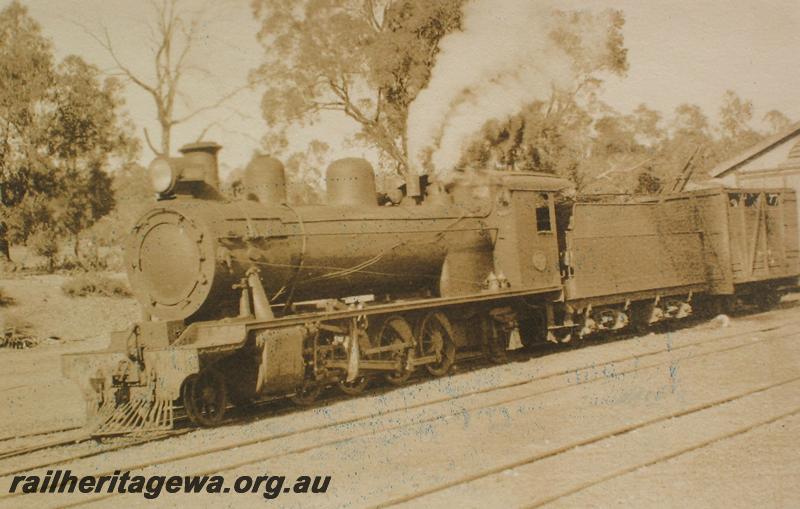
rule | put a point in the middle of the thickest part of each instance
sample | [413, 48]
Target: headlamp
[163, 175]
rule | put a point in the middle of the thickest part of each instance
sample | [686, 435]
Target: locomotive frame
[418, 283]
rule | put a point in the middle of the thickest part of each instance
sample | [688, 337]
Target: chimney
[203, 155]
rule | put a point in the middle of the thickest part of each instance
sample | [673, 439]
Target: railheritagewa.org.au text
[153, 486]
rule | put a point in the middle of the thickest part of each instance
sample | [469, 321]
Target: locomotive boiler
[331, 291]
[254, 298]
[186, 257]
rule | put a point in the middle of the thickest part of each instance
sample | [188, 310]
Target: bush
[95, 258]
[45, 244]
[95, 284]
[16, 332]
[5, 300]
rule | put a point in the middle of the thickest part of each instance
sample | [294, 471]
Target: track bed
[545, 429]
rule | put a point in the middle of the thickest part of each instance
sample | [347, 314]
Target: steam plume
[503, 59]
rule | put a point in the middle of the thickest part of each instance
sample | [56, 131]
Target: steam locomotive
[257, 298]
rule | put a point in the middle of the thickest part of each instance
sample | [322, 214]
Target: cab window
[543, 224]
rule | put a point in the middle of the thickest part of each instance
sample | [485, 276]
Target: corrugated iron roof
[794, 153]
[756, 150]
[793, 160]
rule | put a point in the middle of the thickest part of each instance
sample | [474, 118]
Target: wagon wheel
[497, 346]
[435, 337]
[396, 330]
[533, 329]
[205, 397]
[640, 313]
[307, 393]
[355, 387]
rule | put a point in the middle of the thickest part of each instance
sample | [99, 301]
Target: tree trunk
[5, 245]
[5, 250]
[76, 249]
[165, 139]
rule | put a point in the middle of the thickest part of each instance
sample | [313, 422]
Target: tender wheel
[435, 337]
[396, 330]
[205, 397]
[355, 387]
[533, 329]
[306, 394]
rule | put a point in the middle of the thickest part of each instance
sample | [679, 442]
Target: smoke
[503, 59]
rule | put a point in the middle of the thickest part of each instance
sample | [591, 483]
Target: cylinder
[203, 154]
[351, 182]
[265, 180]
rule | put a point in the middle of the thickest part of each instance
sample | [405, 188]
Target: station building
[775, 162]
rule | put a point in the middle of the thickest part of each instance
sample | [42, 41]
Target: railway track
[609, 435]
[252, 414]
[675, 454]
[68, 438]
[119, 443]
[39, 440]
[95, 451]
[354, 430]
[34, 434]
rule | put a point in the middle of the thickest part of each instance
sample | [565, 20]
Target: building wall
[782, 177]
[774, 168]
[769, 160]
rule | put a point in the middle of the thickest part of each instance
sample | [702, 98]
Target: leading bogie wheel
[205, 397]
[435, 337]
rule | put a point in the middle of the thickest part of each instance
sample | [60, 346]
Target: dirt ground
[63, 324]
[702, 416]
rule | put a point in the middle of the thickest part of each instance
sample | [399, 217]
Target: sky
[679, 51]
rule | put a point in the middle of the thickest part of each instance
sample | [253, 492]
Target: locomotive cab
[523, 250]
[526, 252]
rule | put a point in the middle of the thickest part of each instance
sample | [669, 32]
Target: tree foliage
[602, 150]
[26, 77]
[777, 121]
[305, 174]
[84, 132]
[367, 59]
[60, 128]
[554, 134]
[133, 193]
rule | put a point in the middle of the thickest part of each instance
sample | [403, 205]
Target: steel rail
[268, 438]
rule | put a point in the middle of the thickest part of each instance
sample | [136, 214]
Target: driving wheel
[435, 338]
